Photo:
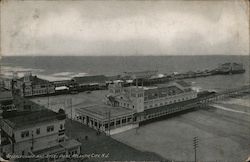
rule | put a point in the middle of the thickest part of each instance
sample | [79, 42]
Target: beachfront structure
[125, 107]
[30, 85]
[139, 74]
[37, 133]
[89, 82]
[143, 98]
[230, 68]
[106, 118]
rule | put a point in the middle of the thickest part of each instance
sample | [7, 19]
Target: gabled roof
[91, 79]
[35, 80]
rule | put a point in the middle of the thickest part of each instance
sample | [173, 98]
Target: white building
[37, 133]
[126, 107]
[143, 98]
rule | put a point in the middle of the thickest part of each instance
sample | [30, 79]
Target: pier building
[30, 85]
[89, 82]
[124, 107]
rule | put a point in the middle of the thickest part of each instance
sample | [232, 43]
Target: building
[37, 133]
[106, 118]
[89, 82]
[6, 99]
[230, 68]
[125, 107]
[142, 98]
[139, 74]
[30, 85]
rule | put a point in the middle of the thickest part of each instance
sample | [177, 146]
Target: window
[25, 134]
[61, 126]
[50, 128]
[61, 139]
[38, 131]
[118, 122]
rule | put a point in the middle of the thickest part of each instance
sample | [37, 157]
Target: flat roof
[101, 111]
[173, 105]
[31, 118]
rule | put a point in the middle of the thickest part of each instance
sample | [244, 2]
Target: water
[65, 67]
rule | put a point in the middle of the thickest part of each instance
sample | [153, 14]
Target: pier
[197, 103]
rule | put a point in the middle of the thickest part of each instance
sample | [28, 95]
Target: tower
[137, 97]
[27, 77]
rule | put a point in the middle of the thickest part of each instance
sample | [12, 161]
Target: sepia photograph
[124, 81]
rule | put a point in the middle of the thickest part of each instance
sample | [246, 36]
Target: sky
[117, 27]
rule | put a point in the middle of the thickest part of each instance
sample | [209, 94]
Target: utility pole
[71, 106]
[48, 101]
[108, 114]
[195, 143]
[109, 121]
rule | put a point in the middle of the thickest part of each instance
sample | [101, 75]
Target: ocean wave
[8, 71]
[80, 74]
[63, 74]
[69, 74]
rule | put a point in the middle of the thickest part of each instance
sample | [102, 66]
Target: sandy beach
[223, 135]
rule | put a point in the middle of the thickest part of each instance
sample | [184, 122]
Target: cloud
[125, 28]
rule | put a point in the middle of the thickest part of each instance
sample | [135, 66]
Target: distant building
[37, 133]
[30, 85]
[230, 68]
[6, 99]
[90, 82]
[139, 74]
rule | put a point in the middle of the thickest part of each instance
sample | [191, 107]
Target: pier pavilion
[106, 118]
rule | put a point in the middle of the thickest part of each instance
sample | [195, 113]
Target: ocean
[66, 67]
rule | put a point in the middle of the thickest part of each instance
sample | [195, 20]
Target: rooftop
[40, 116]
[91, 79]
[101, 111]
[35, 80]
[183, 83]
